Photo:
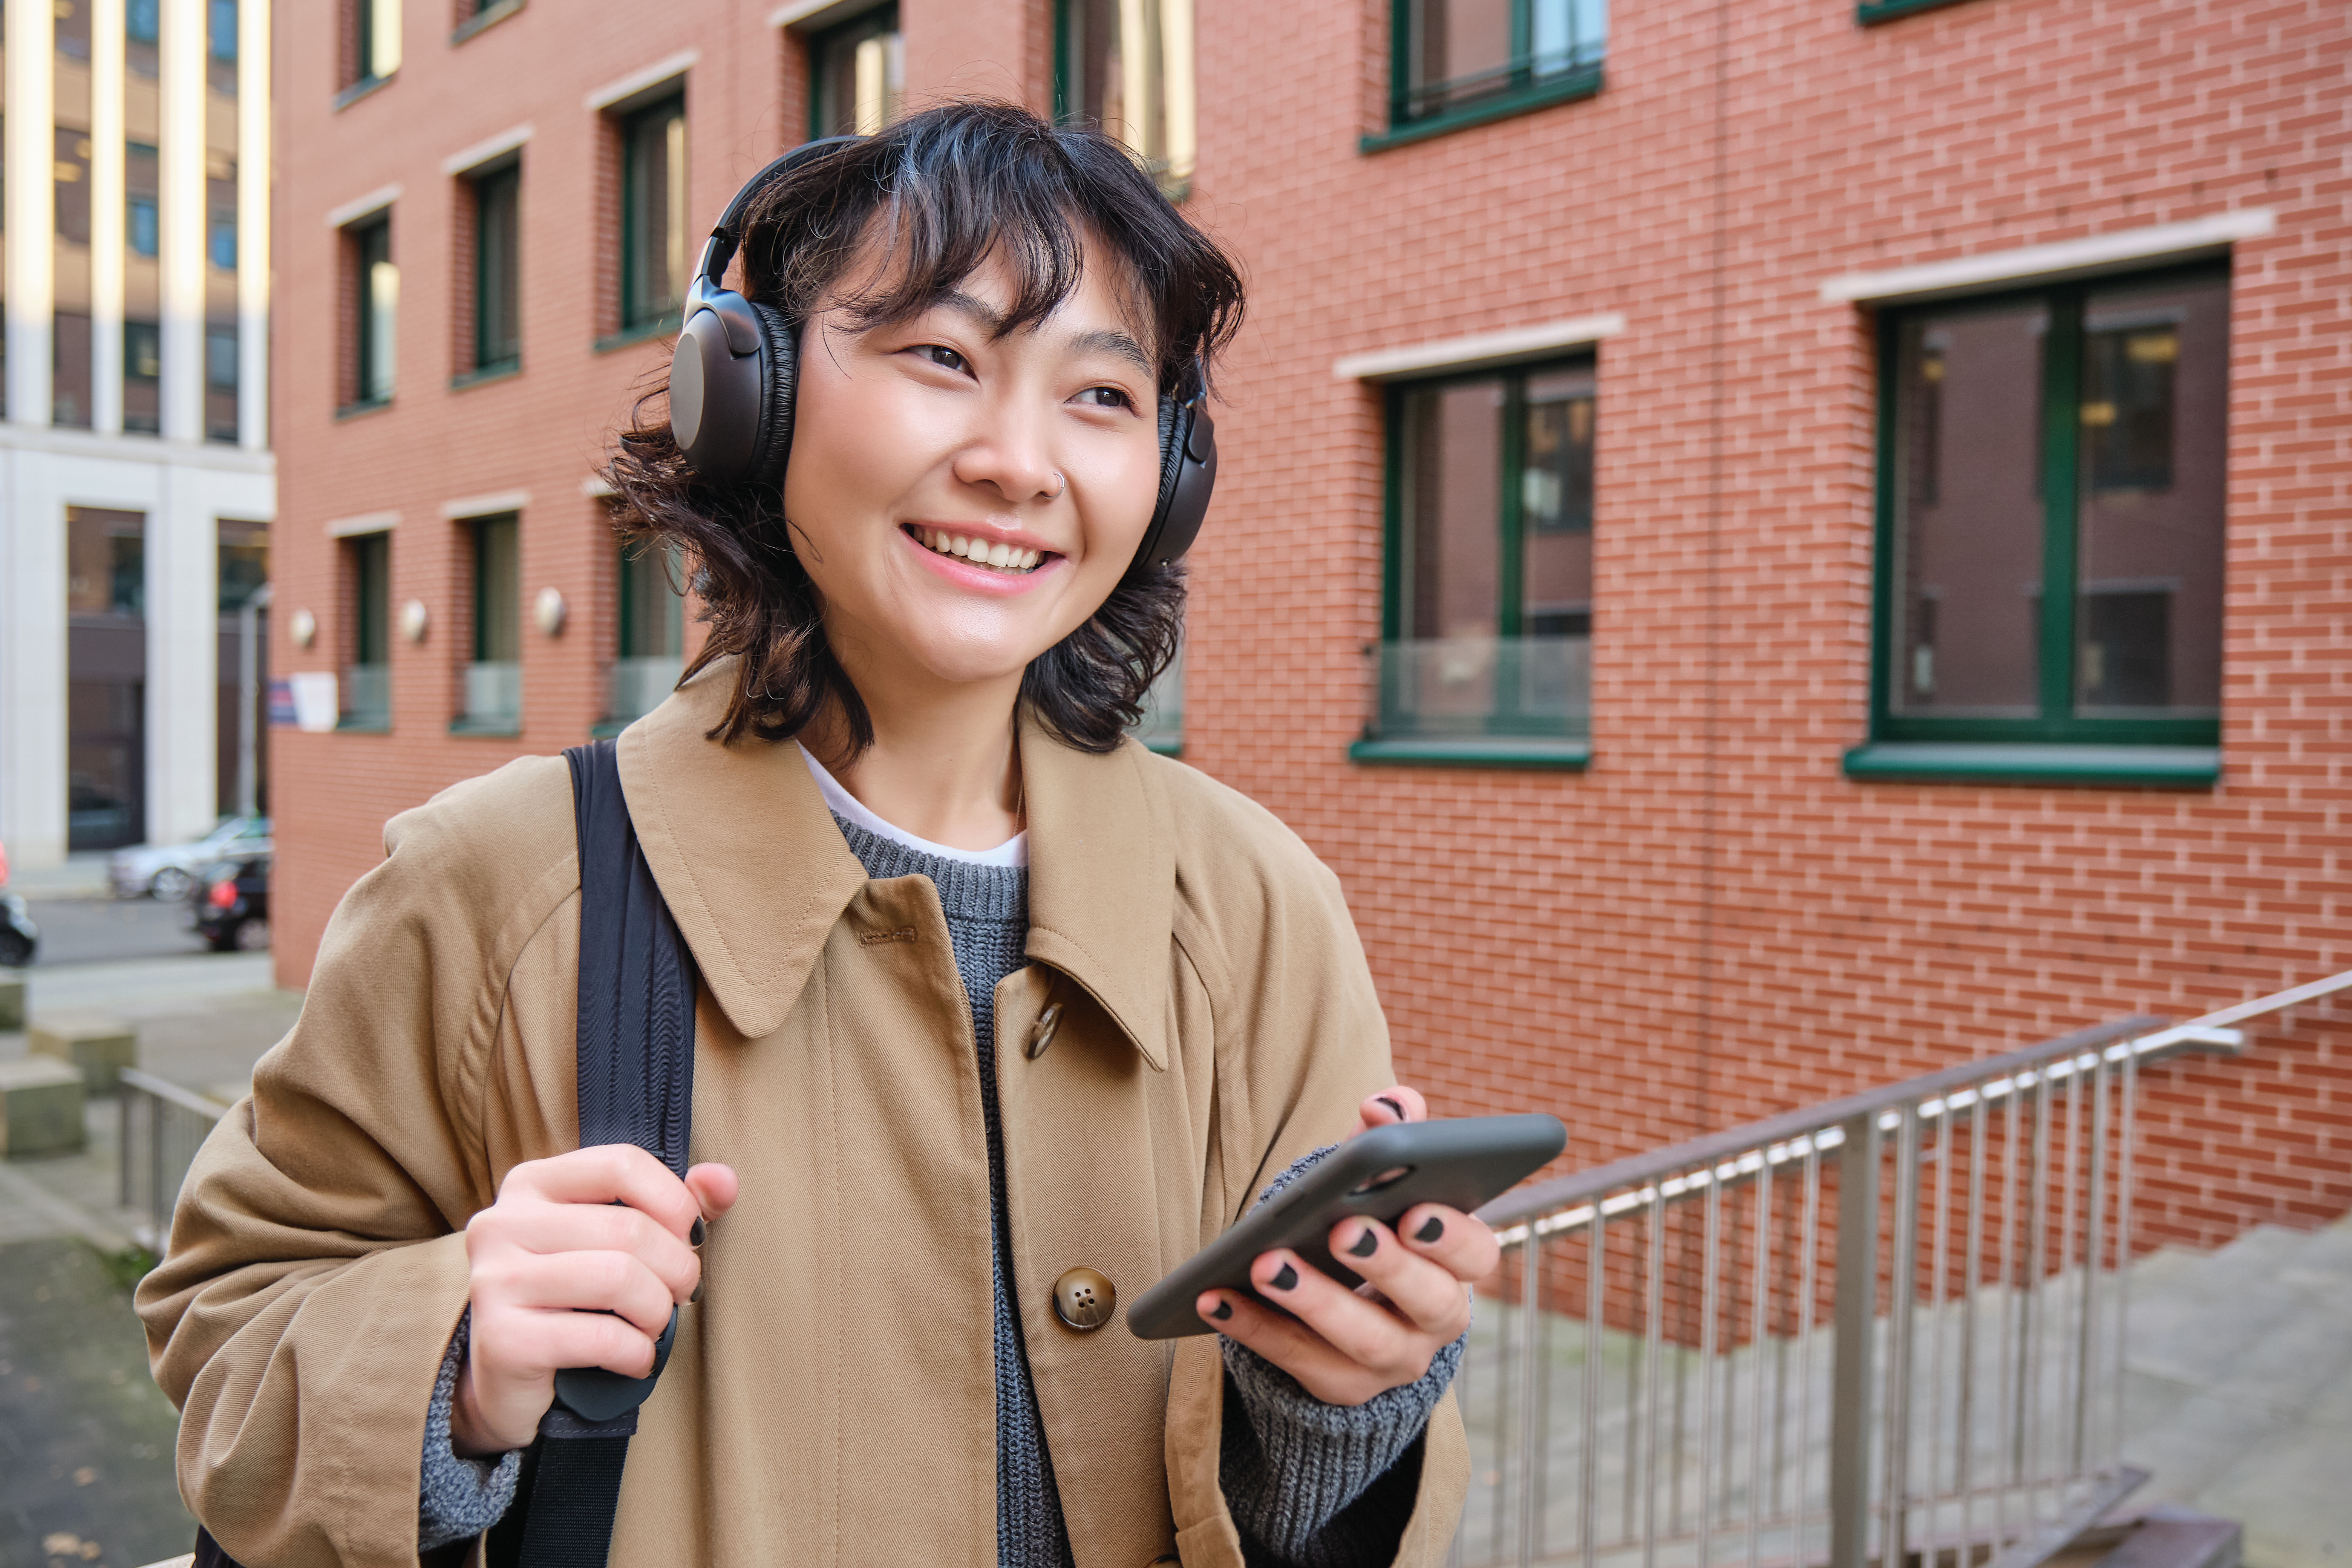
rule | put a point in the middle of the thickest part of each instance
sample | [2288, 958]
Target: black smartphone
[1462, 1164]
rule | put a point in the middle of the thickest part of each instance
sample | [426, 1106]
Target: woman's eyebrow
[1102, 339]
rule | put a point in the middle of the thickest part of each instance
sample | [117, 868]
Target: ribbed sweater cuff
[455, 1496]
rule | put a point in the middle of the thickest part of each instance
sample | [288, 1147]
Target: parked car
[166, 872]
[231, 904]
[19, 937]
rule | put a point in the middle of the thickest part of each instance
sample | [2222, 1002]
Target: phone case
[1464, 1163]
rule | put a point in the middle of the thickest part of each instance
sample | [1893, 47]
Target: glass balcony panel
[1486, 686]
[642, 685]
[494, 693]
[367, 695]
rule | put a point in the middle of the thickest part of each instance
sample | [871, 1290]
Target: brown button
[1084, 1299]
[1041, 1033]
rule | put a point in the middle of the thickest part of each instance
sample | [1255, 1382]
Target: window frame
[1174, 182]
[816, 40]
[1523, 98]
[354, 236]
[1509, 748]
[481, 609]
[506, 172]
[1868, 13]
[369, 623]
[628, 328]
[2056, 725]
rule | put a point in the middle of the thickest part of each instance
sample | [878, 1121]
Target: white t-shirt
[1014, 851]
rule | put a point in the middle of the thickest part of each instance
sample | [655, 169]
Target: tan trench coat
[832, 1398]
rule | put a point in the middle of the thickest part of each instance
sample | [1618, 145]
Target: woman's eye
[1105, 397]
[942, 355]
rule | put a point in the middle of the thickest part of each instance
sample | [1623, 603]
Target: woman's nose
[1009, 457]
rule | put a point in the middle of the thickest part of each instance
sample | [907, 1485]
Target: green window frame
[1162, 130]
[1868, 13]
[1554, 54]
[1539, 714]
[375, 310]
[2059, 741]
[366, 686]
[498, 269]
[654, 250]
[493, 674]
[856, 74]
[649, 653]
[374, 33]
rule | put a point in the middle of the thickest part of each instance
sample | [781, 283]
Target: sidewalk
[86, 1437]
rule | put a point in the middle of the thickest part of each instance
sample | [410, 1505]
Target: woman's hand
[1345, 1346]
[577, 1264]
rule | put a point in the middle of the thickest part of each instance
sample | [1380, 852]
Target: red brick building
[1773, 546]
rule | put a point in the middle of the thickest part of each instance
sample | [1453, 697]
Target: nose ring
[1060, 484]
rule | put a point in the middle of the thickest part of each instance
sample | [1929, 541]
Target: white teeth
[980, 551]
[1000, 555]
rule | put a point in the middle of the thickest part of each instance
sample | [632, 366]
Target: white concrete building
[136, 481]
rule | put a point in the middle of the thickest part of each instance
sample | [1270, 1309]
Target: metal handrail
[1969, 1231]
[154, 1159]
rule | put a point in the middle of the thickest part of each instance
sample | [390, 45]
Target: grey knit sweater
[1309, 1483]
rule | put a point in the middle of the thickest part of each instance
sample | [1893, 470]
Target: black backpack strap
[635, 1044]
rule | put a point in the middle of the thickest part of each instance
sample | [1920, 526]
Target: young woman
[991, 997]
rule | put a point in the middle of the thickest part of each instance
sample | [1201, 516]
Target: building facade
[137, 487]
[1773, 547]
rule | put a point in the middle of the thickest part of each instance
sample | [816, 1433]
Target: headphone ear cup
[780, 381]
[1188, 472]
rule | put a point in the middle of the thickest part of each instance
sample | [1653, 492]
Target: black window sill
[482, 376]
[1542, 95]
[2026, 763]
[362, 89]
[660, 328]
[363, 724]
[358, 410]
[489, 17]
[463, 725]
[1869, 11]
[1476, 751]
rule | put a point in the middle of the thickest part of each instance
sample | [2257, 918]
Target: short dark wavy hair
[942, 190]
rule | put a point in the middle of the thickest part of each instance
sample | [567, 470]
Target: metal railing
[164, 1125]
[1884, 1330]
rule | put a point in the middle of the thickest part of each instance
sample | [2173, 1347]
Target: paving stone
[86, 1437]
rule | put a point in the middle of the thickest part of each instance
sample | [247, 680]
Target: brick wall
[1711, 922]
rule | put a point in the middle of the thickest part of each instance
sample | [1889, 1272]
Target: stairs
[2238, 1389]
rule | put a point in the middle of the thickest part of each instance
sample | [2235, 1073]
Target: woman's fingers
[1460, 1243]
[1289, 1344]
[1392, 1105]
[586, 1282]
[1358, 1328]
[1422, 1290]
[609, 1174]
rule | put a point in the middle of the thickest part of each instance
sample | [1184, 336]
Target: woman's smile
[986, 548]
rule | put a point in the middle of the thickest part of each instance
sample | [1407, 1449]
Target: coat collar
[756, 874]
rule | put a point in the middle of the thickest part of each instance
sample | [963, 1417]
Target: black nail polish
[1431, 1229]
[1392, 1105]
[1366, 1244]
[690, 1300]
[1286, 1279]
[694, 1237]
[1221, 1311]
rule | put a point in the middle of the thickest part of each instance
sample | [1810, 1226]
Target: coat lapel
[746, 855]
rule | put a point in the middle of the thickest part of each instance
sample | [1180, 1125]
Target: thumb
[715, 1187]
[1392, 1105]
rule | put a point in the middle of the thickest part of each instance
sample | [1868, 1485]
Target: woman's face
[963, 500]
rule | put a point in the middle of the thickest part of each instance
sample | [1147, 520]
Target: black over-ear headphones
[736, 370]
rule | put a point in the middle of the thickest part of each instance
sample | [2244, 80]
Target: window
[498, 269]
[220, 45]
[653, 214]
[653, 634]
[371, 42]
[142, 22]
[142, 377]
[855, 73]
[1487, 629]
[220, 381]
[374, 288]
[72, 28]
[71, 183]
[1161, 728]
[367, 677]
[1457, 62]
[70, 369]
[220, 211]
[141, 182]
[1127, 66]
[106, 676]
[2050, 515]
[494, 673]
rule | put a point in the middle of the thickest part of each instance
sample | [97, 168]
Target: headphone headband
[725, 237]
